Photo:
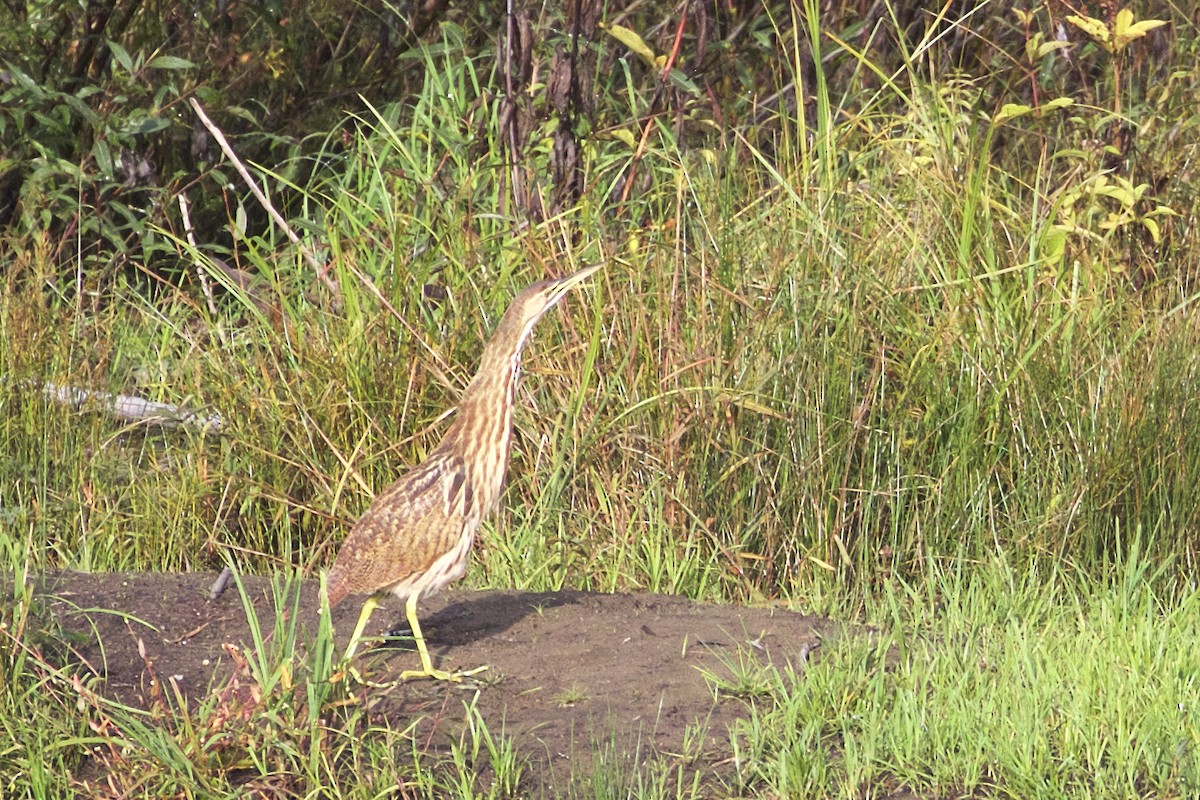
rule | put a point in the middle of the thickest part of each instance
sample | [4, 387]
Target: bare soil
[575, 678]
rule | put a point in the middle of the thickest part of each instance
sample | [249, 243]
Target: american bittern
[417, 535]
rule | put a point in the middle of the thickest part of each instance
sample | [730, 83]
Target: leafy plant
[104, 197]
[1115, 38]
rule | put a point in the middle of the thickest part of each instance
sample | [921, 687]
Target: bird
[416, 536]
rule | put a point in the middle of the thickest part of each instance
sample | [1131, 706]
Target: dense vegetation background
[894, 291]
[886, 284]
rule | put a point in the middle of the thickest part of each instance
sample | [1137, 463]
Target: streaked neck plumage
[483, 422]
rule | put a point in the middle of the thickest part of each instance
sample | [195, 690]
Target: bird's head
[535, 300]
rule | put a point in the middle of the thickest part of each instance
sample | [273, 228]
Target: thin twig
[201, 273]
[322, 273]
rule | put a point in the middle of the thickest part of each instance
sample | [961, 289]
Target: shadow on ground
[568, 672]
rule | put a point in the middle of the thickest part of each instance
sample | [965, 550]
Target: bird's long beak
[575, 278]
[565, 284]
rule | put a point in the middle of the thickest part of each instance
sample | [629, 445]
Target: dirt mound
[566, 670]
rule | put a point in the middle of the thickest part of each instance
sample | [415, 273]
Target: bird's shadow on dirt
[464, 620]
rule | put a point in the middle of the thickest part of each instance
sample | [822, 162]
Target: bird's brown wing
[409, 525]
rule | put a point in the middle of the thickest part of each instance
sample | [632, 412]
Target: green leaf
[242, 113]
[1092, 27]
[1013, 110]
[1152, 226]
[1031, 46]
[239, 221]
[150, 125]
[621, 135]
[1122, 194]
[26, 82]
[170, 62]
[1049, 47]
[103, 156]
[684, 82]
[122, 56]
[1053, 246]
[1122, 21]
[1010, 111]
[1058, 102]
[1140, 29]
[1125, 30]
[631, 40]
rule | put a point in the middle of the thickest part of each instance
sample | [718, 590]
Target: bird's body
[417, 535]
[425, 502]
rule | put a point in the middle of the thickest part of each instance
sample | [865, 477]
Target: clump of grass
[570, 696]
[44, 735]
[616, 772]
[994, 679]
[481, 763]
[284, 720]
[275, 723]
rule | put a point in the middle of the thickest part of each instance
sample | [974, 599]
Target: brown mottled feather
[374, 558]
[416, 536]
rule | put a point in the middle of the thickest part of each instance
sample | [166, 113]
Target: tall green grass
[830, 361]
[1037, 683]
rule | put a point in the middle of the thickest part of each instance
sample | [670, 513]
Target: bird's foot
[439, 674]
[352, 674]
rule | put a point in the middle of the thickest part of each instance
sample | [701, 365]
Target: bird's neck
[483, 422]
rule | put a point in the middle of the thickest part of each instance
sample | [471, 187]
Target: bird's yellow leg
[427, 670]
[363, 618]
